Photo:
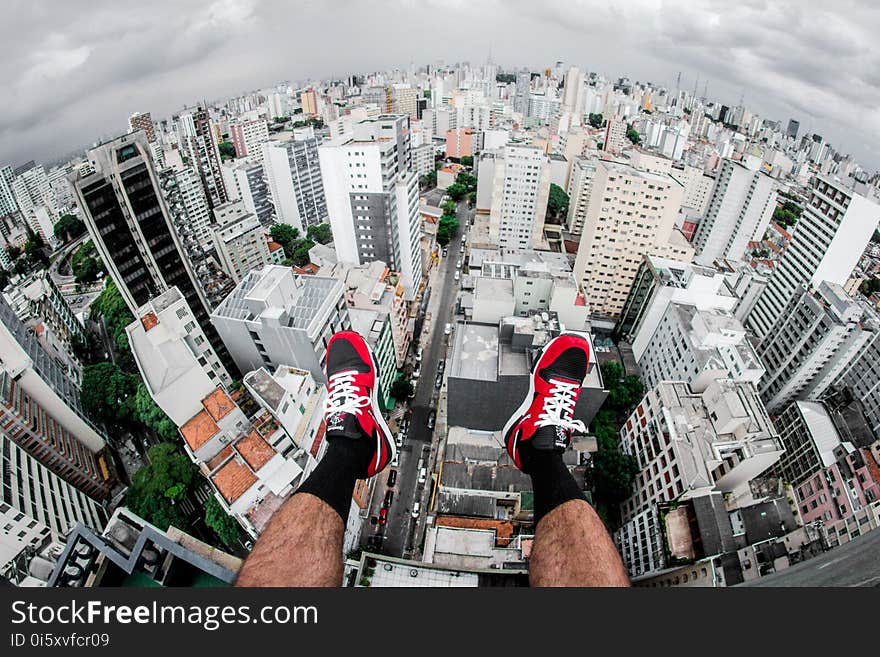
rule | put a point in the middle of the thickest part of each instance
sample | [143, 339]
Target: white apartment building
[816, 338]
[615, 136]
[239, 240]
[689, 444]
[274, 317]
[173, 356]
[246, 182]
[831, 236]
[699, 346]
[520, 189]
[631, 213]
[739, 211]
[697, 188]
[195, 203]
[372, 197]
[247, 137]
[296, 188]
[580, 187]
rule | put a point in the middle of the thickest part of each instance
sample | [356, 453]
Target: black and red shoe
[352, 407]
[545, 419]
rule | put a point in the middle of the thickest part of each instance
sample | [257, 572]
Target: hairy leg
[573, 548]
[302, 546]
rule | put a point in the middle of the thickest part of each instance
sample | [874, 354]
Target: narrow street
[399, 533]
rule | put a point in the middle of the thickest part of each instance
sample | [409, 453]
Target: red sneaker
[545, 419]
[352, 407]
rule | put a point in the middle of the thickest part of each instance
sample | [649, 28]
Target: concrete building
[41, 302]
[460, 143]
[294, 180]
[372, 197]
[198, 140]
[631, 214]
[580, 187]
[661, 281]
[860, 378]
[739, 211]
[699, 346]
[615, 136]
[8, 204]
[173, 356]
[183, 192]
[133, 230]
[239, 240]
[520, 189]
[246, 182]
[813, 343]
[697, 188]
[494, 362]
[275, 317]
[248, 137]
[423, 159]
[831, 236]
[690, 444]
[375, 327]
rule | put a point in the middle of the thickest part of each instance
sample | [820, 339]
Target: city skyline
[78, 86]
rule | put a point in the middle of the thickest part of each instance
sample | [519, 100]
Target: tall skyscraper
[793, 127]
[143, 121]
[521, 98]
[7, 196]
[198, 141]
[520, 189]
[293, 176]
[133, 230]
[739, 211]
[247, 137]
[831, 236]
[372, 196]
[246, 182]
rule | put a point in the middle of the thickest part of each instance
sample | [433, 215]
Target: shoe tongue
[344, 424]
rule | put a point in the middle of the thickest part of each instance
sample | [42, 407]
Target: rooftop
[233, 479]
[254, 450]
[199, 430]
[218, 404]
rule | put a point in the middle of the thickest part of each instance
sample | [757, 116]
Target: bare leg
[573, 548]
[302, 546]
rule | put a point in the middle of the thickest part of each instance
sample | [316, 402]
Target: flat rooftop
[475, 352]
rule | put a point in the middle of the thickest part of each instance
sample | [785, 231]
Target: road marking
[830, 563]
[866, 581]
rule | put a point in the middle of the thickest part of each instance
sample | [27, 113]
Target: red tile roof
[255, 451]
[218, 404]
[199, 430]
[233, 480]
[149, 321]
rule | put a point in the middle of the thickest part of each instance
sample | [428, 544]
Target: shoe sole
[380, 420]
[518, 414]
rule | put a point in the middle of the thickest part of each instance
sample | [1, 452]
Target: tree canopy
[85, 264]
[467, 160]
[112, 307]
[447, 228]
[108, 392]
[633, 135]
[596, 119]
[224, 525]
[456, 191]
[467, 179]
[401, 389]
[557, 201]
[787, 214]
[68, 228]
[227, 150]
[320, 233]
[157, 488]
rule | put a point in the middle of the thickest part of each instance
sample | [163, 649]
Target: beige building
[631, 214]
[520, 190]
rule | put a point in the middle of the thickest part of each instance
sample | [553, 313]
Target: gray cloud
[72, 72]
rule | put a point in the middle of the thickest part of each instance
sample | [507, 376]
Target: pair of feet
[543, 422]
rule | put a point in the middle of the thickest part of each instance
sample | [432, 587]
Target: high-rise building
[615, 136]
[631, 214]
[183, 190]
[372, 197]
[520, 189]
[697, 188]
[580, 186]
[275, 317]
[8, 204]
[309, 102]
[133, 230]
[246, 182]
[573, 91]
[247, 137]
[143, 121]
[738, 212]
[831, 236]
[199, 142]
[240, 240]
[817, 336]
[793, 127]
[293, 174]
[521, 97]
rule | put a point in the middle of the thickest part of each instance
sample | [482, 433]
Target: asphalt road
[401, 525]
[856, 563]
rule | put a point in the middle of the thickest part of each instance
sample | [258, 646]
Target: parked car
[417, 507]
[457, 275]
[461, 248]
[438, 382]
[396, 460]
[392, 478]
[448, 329]
[389, 498]
[458, 264]
[419, 353]
[399, 439]
[445, 251]
[441, 366]
[432, 419]
[416, 373]
[383, 516]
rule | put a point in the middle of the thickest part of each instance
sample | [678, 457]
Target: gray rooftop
[475, 354]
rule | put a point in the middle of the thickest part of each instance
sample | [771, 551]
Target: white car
[448, 329]
[457, 275]
[399, 440]
[419, 353]
[396, 460]
[417, 507]
[458, 264]
[423, 475]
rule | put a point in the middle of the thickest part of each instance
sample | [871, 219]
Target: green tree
[456, 191]
[300, 255]
[286, 235]
[108, 392]
[466, 179]
[68, 228]
[596, 119]
[557, 202]
[401, 389]
[472, 198]
[633, 135]
[85, 264]
[13, 253]
[157, 488]
[447, 228]
[869, 287]
[467, 160]
[449, 207]
[429, 180]
[227, 150]
[321, 233]
[224, 525]
[151, 416]
[112, 307]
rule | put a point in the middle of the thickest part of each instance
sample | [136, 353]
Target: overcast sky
[73, 70]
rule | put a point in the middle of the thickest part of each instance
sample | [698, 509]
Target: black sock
[334, 477]
[551, 481]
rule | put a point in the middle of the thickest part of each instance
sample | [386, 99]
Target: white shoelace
[343, 395]
[558, 407]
